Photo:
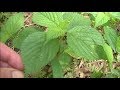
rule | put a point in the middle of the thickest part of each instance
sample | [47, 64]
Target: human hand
[11, 65]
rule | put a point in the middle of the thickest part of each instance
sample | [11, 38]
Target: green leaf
[48, 19]
[13, 24]
[80, 40]
[87, 34]
[101, 19]
[59, 64]
[115, 14]
[118, 57]
[109, 53]
[100, 51]
[54, 32]
[22, 35]
[115, 72]
[118, 44]
[96, 74]
[71, 53]
[54, 22]
[110, 75]
[36, 52]
[94, 13]
[76, 19]
[64, 60]
[69, 16]
[111, 37]
[57, 69]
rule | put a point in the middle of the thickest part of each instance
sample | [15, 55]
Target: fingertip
[10, 56]
[16, 61]
[10, 73]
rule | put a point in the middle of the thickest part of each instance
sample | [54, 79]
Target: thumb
[10, 73]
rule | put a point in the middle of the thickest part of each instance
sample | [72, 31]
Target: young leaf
[53, 21]
[100, 52]
[118, 44]
[64, 60]
[80, 40]
[115, 14]
[36, 53]
[76, 19]
[56, 31]
[101, 19]
[109, 53]
[13, 24]
[57, 69]
[23, 34]
[48, 19]
[71, 53]
[87, 34]
[111, 37]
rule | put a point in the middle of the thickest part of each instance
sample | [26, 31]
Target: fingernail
[17, 74]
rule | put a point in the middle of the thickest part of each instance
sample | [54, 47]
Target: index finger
[11, 57]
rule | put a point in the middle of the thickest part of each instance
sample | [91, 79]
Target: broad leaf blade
[111, 37]
[48, 19]
[13, 24]
[64, 60]
[22, 35]
[118, 44]
[115, 14]
[87, 34]
[101, 19]
[54, 22]
[80, 40]
[71, 53]
[57, 69]
[36, 53]
[109, 53]
[101, 53]
[56, 31]
[76, 19]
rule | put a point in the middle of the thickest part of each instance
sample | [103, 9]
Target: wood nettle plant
[68, 35]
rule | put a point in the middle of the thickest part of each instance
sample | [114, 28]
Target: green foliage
[96, 74]
[115, 15]
[115, 73]
[111, 37]
[71, 53]
[22, 35]
[101, 52]
[53, 21]
[57, 69]
[101, 19]
[64, 60]
[76, 19]
[13, 24]
[118, 44]
[36, 52]
[4, 16]
[68, 35]
[82, 45]
[59, 64]
[109, 53]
